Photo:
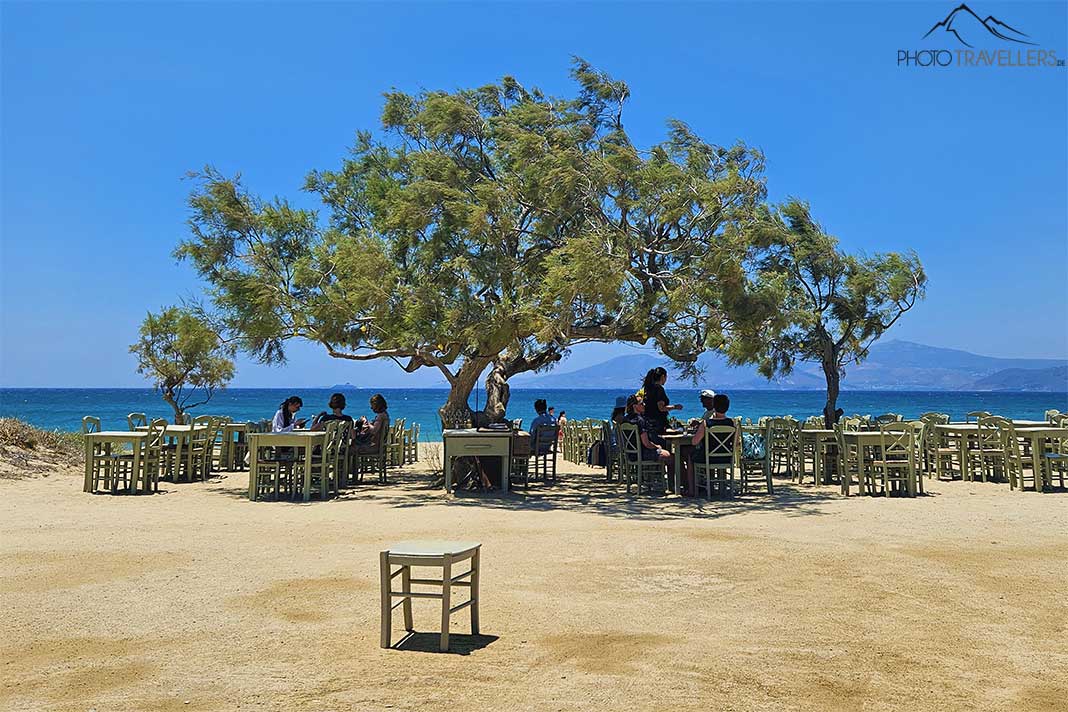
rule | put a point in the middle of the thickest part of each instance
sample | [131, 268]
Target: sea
[63, 408]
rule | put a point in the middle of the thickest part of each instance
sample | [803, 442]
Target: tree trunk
[497, 393]
[833, 378]
[456, 405]
[168, 398]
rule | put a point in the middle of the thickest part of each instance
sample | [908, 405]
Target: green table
[134, 438]
[306, 439]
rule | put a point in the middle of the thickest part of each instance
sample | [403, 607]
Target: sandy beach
[197, 599]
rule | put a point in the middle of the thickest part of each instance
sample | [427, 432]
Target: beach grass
[25, 449]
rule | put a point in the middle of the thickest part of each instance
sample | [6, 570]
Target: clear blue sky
[106, 106]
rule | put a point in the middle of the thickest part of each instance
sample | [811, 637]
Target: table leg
[861, 487]
[1038, 446]
[179, 441]
[87, 486]
[307, 473]
[678, 467]
[253, 470]
[137, 468]
[447, 464]
[817, 460]
[965, 467]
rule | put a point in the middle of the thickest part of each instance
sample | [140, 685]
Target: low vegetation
[25, 450]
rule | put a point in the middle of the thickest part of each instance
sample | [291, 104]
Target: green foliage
[806, 300]
[182, 354]
[495, 225]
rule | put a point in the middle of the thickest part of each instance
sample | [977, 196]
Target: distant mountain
[892, 365]
[1050, 380]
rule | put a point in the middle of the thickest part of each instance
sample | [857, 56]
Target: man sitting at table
[653, 447]
[706, 402]
[720, 404]
[544, 419]
[337, 406]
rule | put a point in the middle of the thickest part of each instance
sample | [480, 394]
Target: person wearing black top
[720, 404]
[657, 404]
[337, 405]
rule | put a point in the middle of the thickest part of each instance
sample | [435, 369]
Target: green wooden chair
[1022, 464]
[988, 455]
[636, 470]
[754, 470]
[716, 466]
[374, 461]
[543, 451]
[895, 465]
[136, 420]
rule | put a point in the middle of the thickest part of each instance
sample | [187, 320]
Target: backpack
[753, 447]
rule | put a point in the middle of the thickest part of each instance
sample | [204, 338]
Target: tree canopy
[182, 355]
[492, 228]
[806, 300]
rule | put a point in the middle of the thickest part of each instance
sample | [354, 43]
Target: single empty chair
[435, 554]
[137, 420]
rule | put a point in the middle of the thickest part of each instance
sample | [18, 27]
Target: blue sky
[106, 106]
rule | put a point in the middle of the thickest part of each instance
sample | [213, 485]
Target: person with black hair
[337, 405]
[657, 404]
[543, 418]
[720, 404]
[653, 447]
[284, 421]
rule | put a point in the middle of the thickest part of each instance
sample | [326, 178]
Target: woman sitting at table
[369, 434]
[284, 421]
[337, 406]
[653, 447]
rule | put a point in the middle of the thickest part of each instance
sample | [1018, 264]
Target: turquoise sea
[63, 408]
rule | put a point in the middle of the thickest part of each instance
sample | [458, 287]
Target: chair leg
[474, 592]
[446, 603]
[387, 599]
[406, 586]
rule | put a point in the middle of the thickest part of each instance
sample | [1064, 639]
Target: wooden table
[181, 434]
[134, 438]
[818, 437]
[861, 439]
[306, 439]
[1037, 435]
[677, 441]
[471, 442]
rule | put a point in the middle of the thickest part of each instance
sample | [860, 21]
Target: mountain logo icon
[965, 25]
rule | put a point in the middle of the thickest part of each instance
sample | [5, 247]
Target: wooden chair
[198, 452]
[1051, 416]
[395, 446]
[754, 470]
[975, 415]
[780, 444]
[544, 444]
[896, 462]
[717, 464]
[989, 451]
[136, 420]
[435, 554]
[848, 461]
[886, 418]
[1019, 458]
[611, 452]
[374, 461]
[635, 469]
[155, 454]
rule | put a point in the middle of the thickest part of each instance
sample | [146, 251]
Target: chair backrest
[452, 418]
[202, 429]
[157, 430]
[719, 441]
[898, 440]
[332, 439]
[1051, 415]
[989, 433]
[814, 421]
[887, 418]
[975, 415]
[935, 418]
[850, 424]
[90, 424]
[629, 438]
[136, 420]
[544, 438]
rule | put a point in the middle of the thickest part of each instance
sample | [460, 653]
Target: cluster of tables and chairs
[134, 460]
[300, 464]
[888, 454]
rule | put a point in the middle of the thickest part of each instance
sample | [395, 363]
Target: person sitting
[284, 421]
[337, 405]
[368, 435]
[720, 404]
[543, 419]
[653, 447]
[706, 402]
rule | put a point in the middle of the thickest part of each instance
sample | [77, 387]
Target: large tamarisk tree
[483, 231]
[804, 299]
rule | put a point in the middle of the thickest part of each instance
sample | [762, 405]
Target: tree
[182, 354]
[484, 231]
[806, 300]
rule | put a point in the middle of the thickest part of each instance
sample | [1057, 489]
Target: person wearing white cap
[706, 402]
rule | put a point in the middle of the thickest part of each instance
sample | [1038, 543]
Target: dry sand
[197, 599]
